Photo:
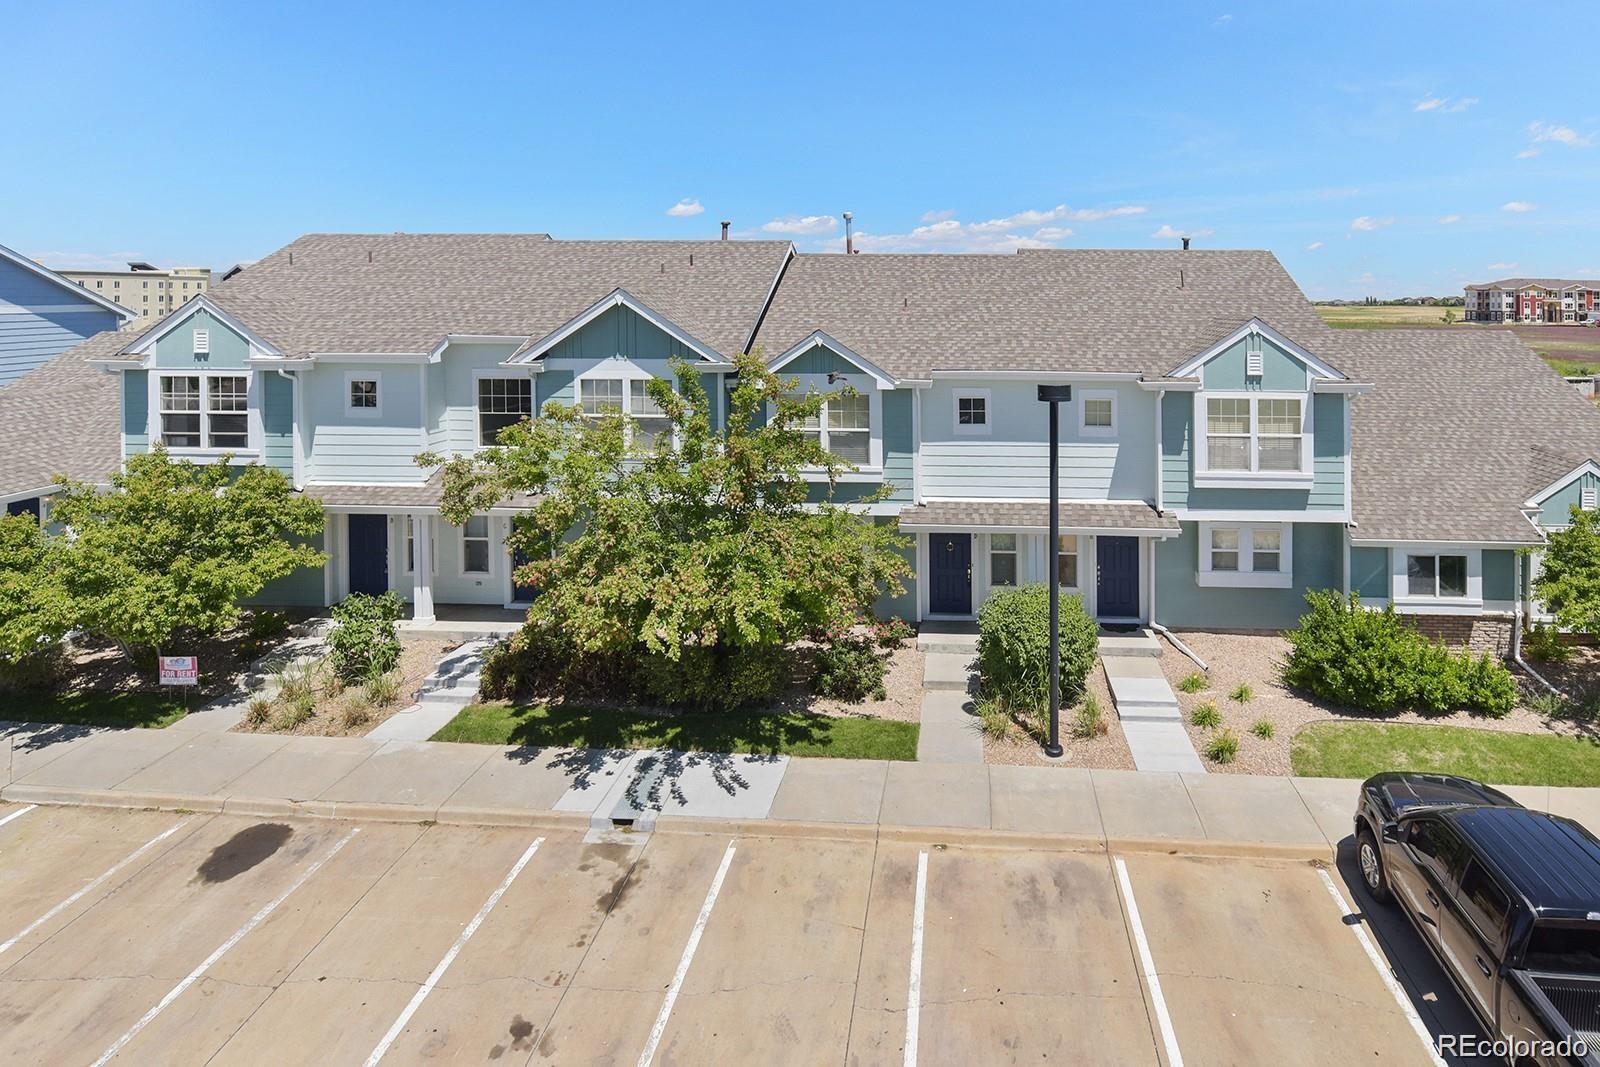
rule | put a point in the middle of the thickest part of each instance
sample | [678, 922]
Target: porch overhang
[1128, 519]
[420, 498]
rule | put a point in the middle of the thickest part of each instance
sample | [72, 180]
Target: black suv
[1507, 899]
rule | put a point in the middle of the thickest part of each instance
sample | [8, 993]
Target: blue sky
[1397, 148]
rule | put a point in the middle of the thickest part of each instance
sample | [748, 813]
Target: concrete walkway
[452, 686]
[949, 731]
[277, 775]
[1146, 704]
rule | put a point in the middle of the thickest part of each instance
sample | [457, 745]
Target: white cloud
[1052, 233]
[685, 208]
[1462, 104]
[1032, 228]
[1429, 103]
[1518, 207]
[1445, 220]
[1527, 153]
[1313, 246]
[938, 216]
[1167, 233]
[1444, 105]
[803, 226]
[1504, 266]
[1550, 132]
[1370, 222]
[1223, 20]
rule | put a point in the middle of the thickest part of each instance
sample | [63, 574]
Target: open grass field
[1570, 350]
[1379, 317]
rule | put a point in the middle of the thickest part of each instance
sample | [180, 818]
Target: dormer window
[1253, 435]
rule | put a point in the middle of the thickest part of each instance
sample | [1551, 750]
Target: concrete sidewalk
[411, 780]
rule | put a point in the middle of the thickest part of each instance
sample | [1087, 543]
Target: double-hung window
[205, 411]
[843, 427]
[647, 421]
[475, 545]
[1002, 559]
[502, 402]
[1255, 435]
[1439, 576]
[1254, 554]
[600, 396]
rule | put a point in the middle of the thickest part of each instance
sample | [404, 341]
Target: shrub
[888, 633]
[381, 690]
[1550, 705]
[266, 624]
[1014, 646]
[258, 713]
[1242, 693]
[716, 678]
[849, 669]
[297, 683]
[1223, 747]
[1090, 721]
[1544, 644]
[1263, 729]
[37, 671]
[363, 640]
[1194, 682]
[993, 719]
[1206, 716]
[1374, 661]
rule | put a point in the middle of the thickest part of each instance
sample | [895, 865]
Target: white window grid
[204, 411]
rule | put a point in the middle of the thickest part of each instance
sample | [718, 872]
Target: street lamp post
[1055, 396]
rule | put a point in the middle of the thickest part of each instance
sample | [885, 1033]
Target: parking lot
[150, 937]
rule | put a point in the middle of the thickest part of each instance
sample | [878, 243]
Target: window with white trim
[600, 396]
[649, 420]
[843, 426]
[502, 402]
[361, 396]
[411, 549]
[1255, 434]
[630, 396]
[475, 545]
[1097, 413]
[1002, 559]
[1436, 576]
[1245, 554]
[205, 410]
[1067, 562]
[972, 411]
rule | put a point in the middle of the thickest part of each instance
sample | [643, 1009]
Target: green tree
[172, 547]
[1569, 578]
[35, 611]
[1448, 317]
[702, 549]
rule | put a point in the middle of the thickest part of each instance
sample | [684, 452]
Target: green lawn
[777, 733]
[151, 710]
[1359, 749]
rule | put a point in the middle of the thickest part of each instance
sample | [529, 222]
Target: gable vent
[1252, 364]
[202, 342]
[1586, 498]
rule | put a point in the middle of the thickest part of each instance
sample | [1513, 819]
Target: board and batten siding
[40, 319]
[1012, 461]
[1557, 508]
[228, 351]
[1327, 463]
[364, 449]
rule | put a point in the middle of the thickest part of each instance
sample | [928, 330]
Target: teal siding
[554, 385]
[277, 423]
[302, 589]
[904, 605]
[621, 332]
[136, 411]
[819, 359]
[1182, 603]
[712, 384]
[1499, 574]
[1177, 449]
[1558, 508]
[1369, 572]
[228, 349]
[1281, 372]
[897, 442]
[1327, 452]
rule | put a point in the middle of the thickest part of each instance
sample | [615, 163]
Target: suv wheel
[1371, 862]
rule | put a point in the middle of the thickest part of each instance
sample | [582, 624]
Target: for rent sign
[180, 670]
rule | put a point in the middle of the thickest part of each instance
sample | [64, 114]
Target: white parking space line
[91, 887]
[1147, 963]
[449, 957]
[1383, 970]
[238, 935]
[19, 813]
[914, 988]
[660, 1027]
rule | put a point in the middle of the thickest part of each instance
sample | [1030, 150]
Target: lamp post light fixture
[1055, 396]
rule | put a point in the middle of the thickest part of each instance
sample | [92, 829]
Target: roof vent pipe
[1186, 244]
[849, 233]
[725, 225]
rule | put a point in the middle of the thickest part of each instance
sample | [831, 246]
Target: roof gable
[607, 312]
[1255, 328]
[78, 291]
[820, 340]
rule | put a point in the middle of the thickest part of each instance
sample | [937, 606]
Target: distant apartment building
[1534, 300]
[149, 291]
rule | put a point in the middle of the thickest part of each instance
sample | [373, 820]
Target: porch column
[422, 569]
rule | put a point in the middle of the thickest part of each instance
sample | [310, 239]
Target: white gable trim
[145, 345]
[1588, 466]
[1318, 368]
[618, 298]
[49, 275]
[818, 339]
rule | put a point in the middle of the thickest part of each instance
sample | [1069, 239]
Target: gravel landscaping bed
[331, 715]
[1253, 660]
[902, 684]
[1109, 751]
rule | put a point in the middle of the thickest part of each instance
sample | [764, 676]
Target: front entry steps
[1146, 704]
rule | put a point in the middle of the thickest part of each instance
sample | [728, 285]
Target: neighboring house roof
[1451, 442]
[403, 293]
[1543, 283]
[79, 291]
[62, 419]
[1019, 515]
[1087, 310]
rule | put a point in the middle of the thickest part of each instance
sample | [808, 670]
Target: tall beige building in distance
[148, 290]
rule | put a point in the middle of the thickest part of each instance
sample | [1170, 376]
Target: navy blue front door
[521, 594]
[29, 506]
[950, 574]
[1117, 589]
[369, 554]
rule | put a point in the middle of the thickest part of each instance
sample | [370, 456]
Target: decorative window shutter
[1586, 498]
[202, 342]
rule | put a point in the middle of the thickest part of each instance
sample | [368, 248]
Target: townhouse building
[1223, 452]
[42, 314]
[1534, 300]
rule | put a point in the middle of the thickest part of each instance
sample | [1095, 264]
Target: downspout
[1516, 629]
[1154, 624]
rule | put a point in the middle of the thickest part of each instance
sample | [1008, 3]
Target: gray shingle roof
[425, 496]
[1457, 432]
[1047, 310]
[1029, 516]
[63, 419]
[405, 292]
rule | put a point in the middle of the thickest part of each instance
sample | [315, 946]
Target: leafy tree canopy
[1569, 578]
[35, 611]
